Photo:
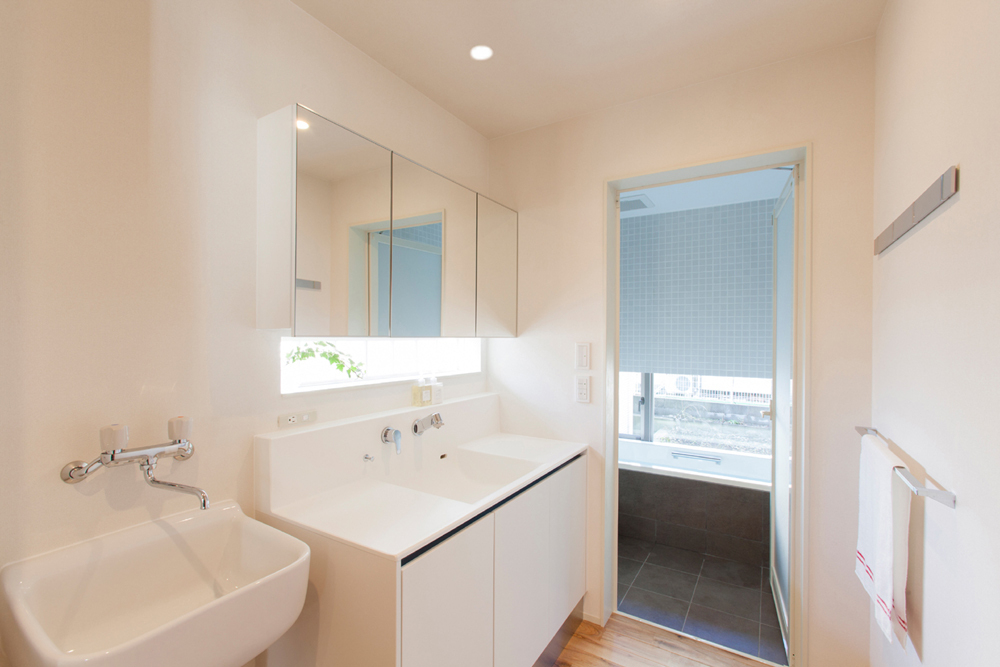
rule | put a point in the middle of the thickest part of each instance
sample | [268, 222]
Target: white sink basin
[205, 588]
[466, 476]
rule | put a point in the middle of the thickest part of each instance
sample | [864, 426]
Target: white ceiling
[555, 59]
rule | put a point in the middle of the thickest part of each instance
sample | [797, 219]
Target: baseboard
[551, 653]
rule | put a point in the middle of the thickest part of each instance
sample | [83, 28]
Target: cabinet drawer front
[523, 606]
[540, 564]
[568, 533]
[447, 600]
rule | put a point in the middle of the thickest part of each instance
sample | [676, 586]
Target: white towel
[883, 535]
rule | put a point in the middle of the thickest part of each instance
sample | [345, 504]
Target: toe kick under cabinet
[494, 593]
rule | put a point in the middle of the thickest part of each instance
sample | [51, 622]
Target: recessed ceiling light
[301, 124]
[481, 52]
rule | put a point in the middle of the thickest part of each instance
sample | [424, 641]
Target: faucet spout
[147, 471]
[430, 421]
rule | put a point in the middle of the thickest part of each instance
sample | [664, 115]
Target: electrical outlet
[296, 419]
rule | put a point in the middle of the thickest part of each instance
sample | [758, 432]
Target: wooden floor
[625, 642]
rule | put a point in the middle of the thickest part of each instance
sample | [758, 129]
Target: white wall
[936, 316]
[554, 176]
[127, 243]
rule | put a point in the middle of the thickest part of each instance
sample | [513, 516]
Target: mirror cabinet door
[496, 269]
[433, 254]
[343, 192]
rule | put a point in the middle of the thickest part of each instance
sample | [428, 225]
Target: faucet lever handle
[392, 436]
[114, 436]
[179, 428]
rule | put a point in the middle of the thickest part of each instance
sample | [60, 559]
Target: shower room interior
[704, 407]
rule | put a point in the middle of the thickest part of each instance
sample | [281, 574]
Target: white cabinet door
[447, 618]
[522, 606]
[567, 539]
[540, 564]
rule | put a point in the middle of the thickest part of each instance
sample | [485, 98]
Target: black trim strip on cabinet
[427, 547]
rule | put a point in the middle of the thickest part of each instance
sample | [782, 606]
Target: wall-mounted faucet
[432, 420]
[115, 437]
[393, 436]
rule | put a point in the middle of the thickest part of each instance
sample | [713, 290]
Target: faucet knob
[114, 436]
[179, 428]
[393, 436]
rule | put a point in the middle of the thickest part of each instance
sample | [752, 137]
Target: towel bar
[943, 497]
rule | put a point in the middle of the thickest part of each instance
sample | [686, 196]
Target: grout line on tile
[691, 601]
[629, 588]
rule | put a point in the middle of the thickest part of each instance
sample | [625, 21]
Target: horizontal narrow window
[313, 364]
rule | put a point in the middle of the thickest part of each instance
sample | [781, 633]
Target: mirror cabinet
[355, 240]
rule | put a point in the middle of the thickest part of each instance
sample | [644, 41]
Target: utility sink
[205, 588]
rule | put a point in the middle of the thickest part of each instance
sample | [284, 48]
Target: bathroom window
[696, 410]
[314, 364]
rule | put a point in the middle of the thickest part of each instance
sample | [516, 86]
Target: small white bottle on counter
[437, 390]
[422, 392]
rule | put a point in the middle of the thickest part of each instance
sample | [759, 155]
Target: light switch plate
[583, 356]
[583, 389]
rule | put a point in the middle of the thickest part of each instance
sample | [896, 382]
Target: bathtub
[751, 471]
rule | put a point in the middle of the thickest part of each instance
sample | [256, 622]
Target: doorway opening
[704, 400]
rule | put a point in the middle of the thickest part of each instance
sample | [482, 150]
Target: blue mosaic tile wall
[696, 291]
[429, 234]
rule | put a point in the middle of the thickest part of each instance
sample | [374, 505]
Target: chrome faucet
[115, 437]
[432, 420]
[393, 436]
[147, 473]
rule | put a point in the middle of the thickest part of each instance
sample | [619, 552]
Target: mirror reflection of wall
[417, 250]
[343, 193]
[496, 269]
[433, 254]
[416, 259]
[384, 246]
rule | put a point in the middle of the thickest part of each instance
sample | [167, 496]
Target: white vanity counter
[396, 515]
[317, 477]
[468, 546]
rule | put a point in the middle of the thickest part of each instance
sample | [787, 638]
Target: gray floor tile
[633, 549]
[735, 600]
[681, 537]
[731, 572]
[768, 612]
[660, 609]
[771, 646]
[665, 581]
[676, 559]
[627, 569]
[725, 629]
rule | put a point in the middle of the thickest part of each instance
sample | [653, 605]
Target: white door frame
[798, 154]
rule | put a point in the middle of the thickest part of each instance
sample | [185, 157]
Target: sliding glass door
[781, 404]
